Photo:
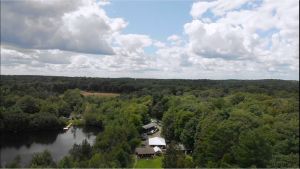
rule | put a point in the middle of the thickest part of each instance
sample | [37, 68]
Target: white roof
[157, 141]
[157, 149]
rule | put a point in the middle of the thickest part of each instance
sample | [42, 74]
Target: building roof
[157, 149]
[157, 141]
[148, 126]
[144, 150]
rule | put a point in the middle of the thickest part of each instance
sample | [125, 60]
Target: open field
[85, 93]
[155, 162]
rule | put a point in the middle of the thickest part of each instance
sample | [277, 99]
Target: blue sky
[158, 19]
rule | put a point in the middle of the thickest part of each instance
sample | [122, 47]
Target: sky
[166, 39]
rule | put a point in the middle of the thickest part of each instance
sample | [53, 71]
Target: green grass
[155, 162]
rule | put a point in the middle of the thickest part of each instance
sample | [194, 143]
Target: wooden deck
[68, 126]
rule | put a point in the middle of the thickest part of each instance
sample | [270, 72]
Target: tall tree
[252, 150]
[28, 104]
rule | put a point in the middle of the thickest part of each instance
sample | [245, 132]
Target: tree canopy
[225, 123]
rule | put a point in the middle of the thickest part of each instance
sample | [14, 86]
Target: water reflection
[17, 140]
[57, 142]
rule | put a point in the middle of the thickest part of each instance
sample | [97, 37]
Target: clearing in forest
[155, 162]
[85, 93]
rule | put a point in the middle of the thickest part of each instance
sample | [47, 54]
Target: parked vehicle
[153, 131]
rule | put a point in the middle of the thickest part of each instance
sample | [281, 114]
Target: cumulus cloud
[11, 56]
[215, 40]
[217, 7]
[133, 42]
[199, 8]
[175, 40]
[79, 26]
[262, 33]
[159, 44]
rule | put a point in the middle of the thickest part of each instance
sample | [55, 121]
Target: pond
[57, 142]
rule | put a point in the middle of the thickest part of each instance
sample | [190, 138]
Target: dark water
[57, 142]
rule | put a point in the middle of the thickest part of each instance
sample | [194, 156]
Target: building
[143, 152]
[157, 150]
[157, 141]
[149, 127]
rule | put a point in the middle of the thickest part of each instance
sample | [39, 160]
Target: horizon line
[140, 78]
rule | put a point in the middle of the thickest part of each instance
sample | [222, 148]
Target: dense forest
[225, 123]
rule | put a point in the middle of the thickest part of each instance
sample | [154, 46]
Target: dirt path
[85, 93]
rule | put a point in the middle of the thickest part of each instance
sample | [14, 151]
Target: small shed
[142, 152]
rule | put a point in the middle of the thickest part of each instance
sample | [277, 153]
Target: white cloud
[133, 42]
[213, 40]
[159, 44]
[79, 26]
[199, 8]
[217, 7]
[175, 40]
[264, 35]
[236, 39]
[223, 6]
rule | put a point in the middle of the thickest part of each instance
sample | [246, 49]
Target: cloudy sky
[215, 39]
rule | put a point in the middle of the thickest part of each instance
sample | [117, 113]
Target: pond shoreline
[58, 142]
